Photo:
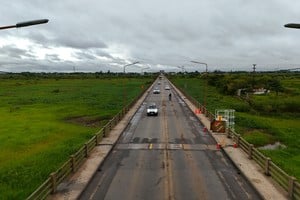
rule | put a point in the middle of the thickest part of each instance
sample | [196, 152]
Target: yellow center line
[150, 146]
[169, 190]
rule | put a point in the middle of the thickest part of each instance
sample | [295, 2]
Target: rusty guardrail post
[110, 125]
[54, 182]
[86, 150]
[227, 131]
[104, 131]
[97, 139]
[238, 140]
[251, 146]
[267, 166]
[118, 118]
[291, 186]
[73, 163]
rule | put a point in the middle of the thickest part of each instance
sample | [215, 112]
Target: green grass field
[44, 121]
[258, 128]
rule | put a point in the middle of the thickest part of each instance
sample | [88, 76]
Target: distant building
[244, 91]
[261, 91]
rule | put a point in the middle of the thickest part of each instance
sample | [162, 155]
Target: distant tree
[275, 84]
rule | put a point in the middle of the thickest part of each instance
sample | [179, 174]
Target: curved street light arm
[31, 23]
[201, 63]
[129, 65]
[292, 25]
[27, 23]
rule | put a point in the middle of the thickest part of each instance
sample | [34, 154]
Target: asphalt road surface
[168, 156]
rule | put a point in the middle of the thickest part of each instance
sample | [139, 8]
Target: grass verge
[47, 120]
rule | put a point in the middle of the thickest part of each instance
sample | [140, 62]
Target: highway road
[168, 156]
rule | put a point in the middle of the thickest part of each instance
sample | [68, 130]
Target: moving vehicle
[156, 91]
[167, 87]
[152, 110]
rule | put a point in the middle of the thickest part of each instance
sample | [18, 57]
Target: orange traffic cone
[197, 111]
[235, 145]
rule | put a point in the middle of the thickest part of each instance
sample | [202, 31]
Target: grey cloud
[80, 42]
[101, 53]
[14, 52]
[84, 56]
[93, 54]
[53, 57]
[158, 32]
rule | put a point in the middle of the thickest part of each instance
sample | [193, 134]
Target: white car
[167, 87]
[152, 110]
[156, 91]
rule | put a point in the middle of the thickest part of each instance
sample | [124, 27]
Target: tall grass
[36, 135]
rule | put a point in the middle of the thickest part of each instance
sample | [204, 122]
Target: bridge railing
[50, 185]
[289, 183]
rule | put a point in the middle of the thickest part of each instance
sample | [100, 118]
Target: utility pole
[254, 68]
[253, 73]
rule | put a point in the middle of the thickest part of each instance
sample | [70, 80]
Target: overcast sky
[101, 35]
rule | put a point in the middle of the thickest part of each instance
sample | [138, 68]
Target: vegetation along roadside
[268, 119]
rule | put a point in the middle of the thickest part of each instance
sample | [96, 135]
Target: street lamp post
[124, 84]
[182, 68]
[202, 64]
[129, 65]
[27, 23]
[205, 87]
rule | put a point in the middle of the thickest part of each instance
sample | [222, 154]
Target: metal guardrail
[78, 158]
[288, 183]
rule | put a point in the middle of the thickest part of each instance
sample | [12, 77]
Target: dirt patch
[88, 121]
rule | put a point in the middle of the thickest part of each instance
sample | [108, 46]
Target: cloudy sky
[101, 35]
